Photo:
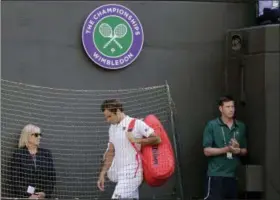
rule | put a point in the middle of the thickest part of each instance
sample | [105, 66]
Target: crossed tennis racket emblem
[107, 32]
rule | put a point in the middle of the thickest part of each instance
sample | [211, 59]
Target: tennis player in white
[129, 171]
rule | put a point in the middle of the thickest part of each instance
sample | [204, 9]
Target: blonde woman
[33, 173]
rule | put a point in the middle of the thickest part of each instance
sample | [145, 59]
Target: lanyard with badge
[229, 154]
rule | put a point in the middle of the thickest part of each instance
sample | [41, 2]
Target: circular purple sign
[112, 36]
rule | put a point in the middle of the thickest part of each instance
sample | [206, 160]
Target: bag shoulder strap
[138, 153]
[131, 125]
[130, 129]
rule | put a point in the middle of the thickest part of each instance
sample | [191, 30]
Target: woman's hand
[41, 195]
[33, 196]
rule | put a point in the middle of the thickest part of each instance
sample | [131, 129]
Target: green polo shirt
[213, 137]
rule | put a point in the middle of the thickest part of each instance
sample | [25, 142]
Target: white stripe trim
[209, 187]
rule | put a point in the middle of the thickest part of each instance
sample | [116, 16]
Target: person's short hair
[224, 99]
[112, 105]
[25, 132]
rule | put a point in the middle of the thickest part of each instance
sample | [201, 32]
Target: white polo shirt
[125, 154]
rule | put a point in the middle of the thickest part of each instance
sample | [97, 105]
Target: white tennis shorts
[128, 184]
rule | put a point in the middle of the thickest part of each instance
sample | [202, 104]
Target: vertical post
[176, 143]
[0, 149]
[226, 64]
[1, 142]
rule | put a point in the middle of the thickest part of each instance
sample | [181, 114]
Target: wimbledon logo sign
[112, 36]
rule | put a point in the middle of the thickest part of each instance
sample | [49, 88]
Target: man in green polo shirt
[224, 140]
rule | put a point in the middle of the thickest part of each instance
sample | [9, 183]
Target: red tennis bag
[158, 161]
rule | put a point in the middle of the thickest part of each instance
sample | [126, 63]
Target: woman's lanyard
[34, 159]
[224, 137]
